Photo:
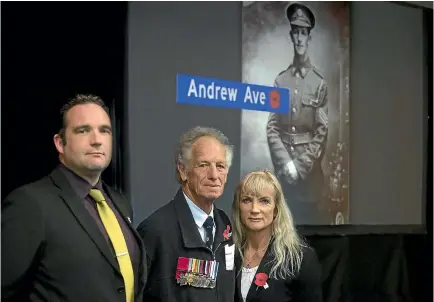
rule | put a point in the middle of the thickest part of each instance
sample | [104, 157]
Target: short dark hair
[78, 99]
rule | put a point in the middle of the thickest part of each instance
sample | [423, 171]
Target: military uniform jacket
[300, 136]
[171, 232]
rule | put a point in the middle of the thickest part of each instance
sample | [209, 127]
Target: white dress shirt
[199, 217]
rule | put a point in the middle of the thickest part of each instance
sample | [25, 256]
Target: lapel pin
[226, 233]
[261, 280]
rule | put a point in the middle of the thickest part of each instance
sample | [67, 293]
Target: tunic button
[294, 110]
[292, 149]
[293, 129]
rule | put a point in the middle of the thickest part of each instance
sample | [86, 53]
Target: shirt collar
[80, 186]
[199, 215]
[301, 68]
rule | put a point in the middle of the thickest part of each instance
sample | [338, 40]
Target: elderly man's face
[300, 37]
[207, 171]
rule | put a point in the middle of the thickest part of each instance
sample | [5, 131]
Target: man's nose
[95, 138]
[212, 172]
[299, 38]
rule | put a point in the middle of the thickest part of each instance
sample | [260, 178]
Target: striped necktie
[117, 239]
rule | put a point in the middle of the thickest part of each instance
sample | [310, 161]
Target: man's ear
[182, 172]
[58, 142]
[291, 36]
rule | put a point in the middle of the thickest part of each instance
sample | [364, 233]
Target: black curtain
[50, 52]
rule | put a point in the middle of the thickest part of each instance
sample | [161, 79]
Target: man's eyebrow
[87, 127]
[108, 127]
[80, 127]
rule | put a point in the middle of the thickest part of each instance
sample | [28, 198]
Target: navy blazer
[306, 287]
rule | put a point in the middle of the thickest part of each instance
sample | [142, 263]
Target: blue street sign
[201, 91]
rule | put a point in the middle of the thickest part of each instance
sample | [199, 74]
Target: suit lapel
[221, 228]
[189, 232]
[264, 267]
[116, 202]
[79, 211]
[239, 270]
[121, 208]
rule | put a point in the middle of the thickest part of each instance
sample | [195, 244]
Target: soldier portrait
[302, 46]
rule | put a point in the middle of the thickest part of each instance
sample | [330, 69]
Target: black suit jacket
[305, 288]
[171, 232]
[52, 249]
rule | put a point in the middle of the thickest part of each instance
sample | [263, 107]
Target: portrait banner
[302, 46]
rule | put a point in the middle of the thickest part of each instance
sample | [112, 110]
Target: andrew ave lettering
[211, 92]
[254, 96]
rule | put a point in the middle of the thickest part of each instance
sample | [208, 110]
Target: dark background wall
[52, 50]
[199, 38]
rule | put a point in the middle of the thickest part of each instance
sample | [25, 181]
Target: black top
[306, 287]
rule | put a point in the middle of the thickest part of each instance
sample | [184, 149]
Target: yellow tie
[117, 239]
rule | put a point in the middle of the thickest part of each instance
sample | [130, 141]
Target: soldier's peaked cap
[300, 15]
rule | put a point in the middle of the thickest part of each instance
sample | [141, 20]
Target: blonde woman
[273, 264]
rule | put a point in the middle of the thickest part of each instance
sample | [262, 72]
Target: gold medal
[189, 278]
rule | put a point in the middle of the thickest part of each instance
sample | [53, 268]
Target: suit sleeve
[160, 285]
[149, 241]
[149, 235]
[310, 289]
[279, 155]
[305, 162]
[23, 234]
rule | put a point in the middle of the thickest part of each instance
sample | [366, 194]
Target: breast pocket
[309, 104]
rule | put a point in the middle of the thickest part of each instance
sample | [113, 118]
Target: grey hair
[185, 145]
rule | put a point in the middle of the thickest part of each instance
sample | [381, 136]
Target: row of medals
[196, 280]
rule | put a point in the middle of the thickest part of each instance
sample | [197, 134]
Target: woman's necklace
[250, 260]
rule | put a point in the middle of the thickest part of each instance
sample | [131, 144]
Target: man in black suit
[68, 236]
[189, 244]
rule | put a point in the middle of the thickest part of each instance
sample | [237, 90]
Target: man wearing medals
[189, 240]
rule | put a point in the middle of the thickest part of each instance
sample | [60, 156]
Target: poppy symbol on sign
[274, 99]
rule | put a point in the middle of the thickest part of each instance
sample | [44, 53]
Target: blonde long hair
[287, 245]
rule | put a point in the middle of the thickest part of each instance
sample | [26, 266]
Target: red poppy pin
[261, 280]
[226, 233]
